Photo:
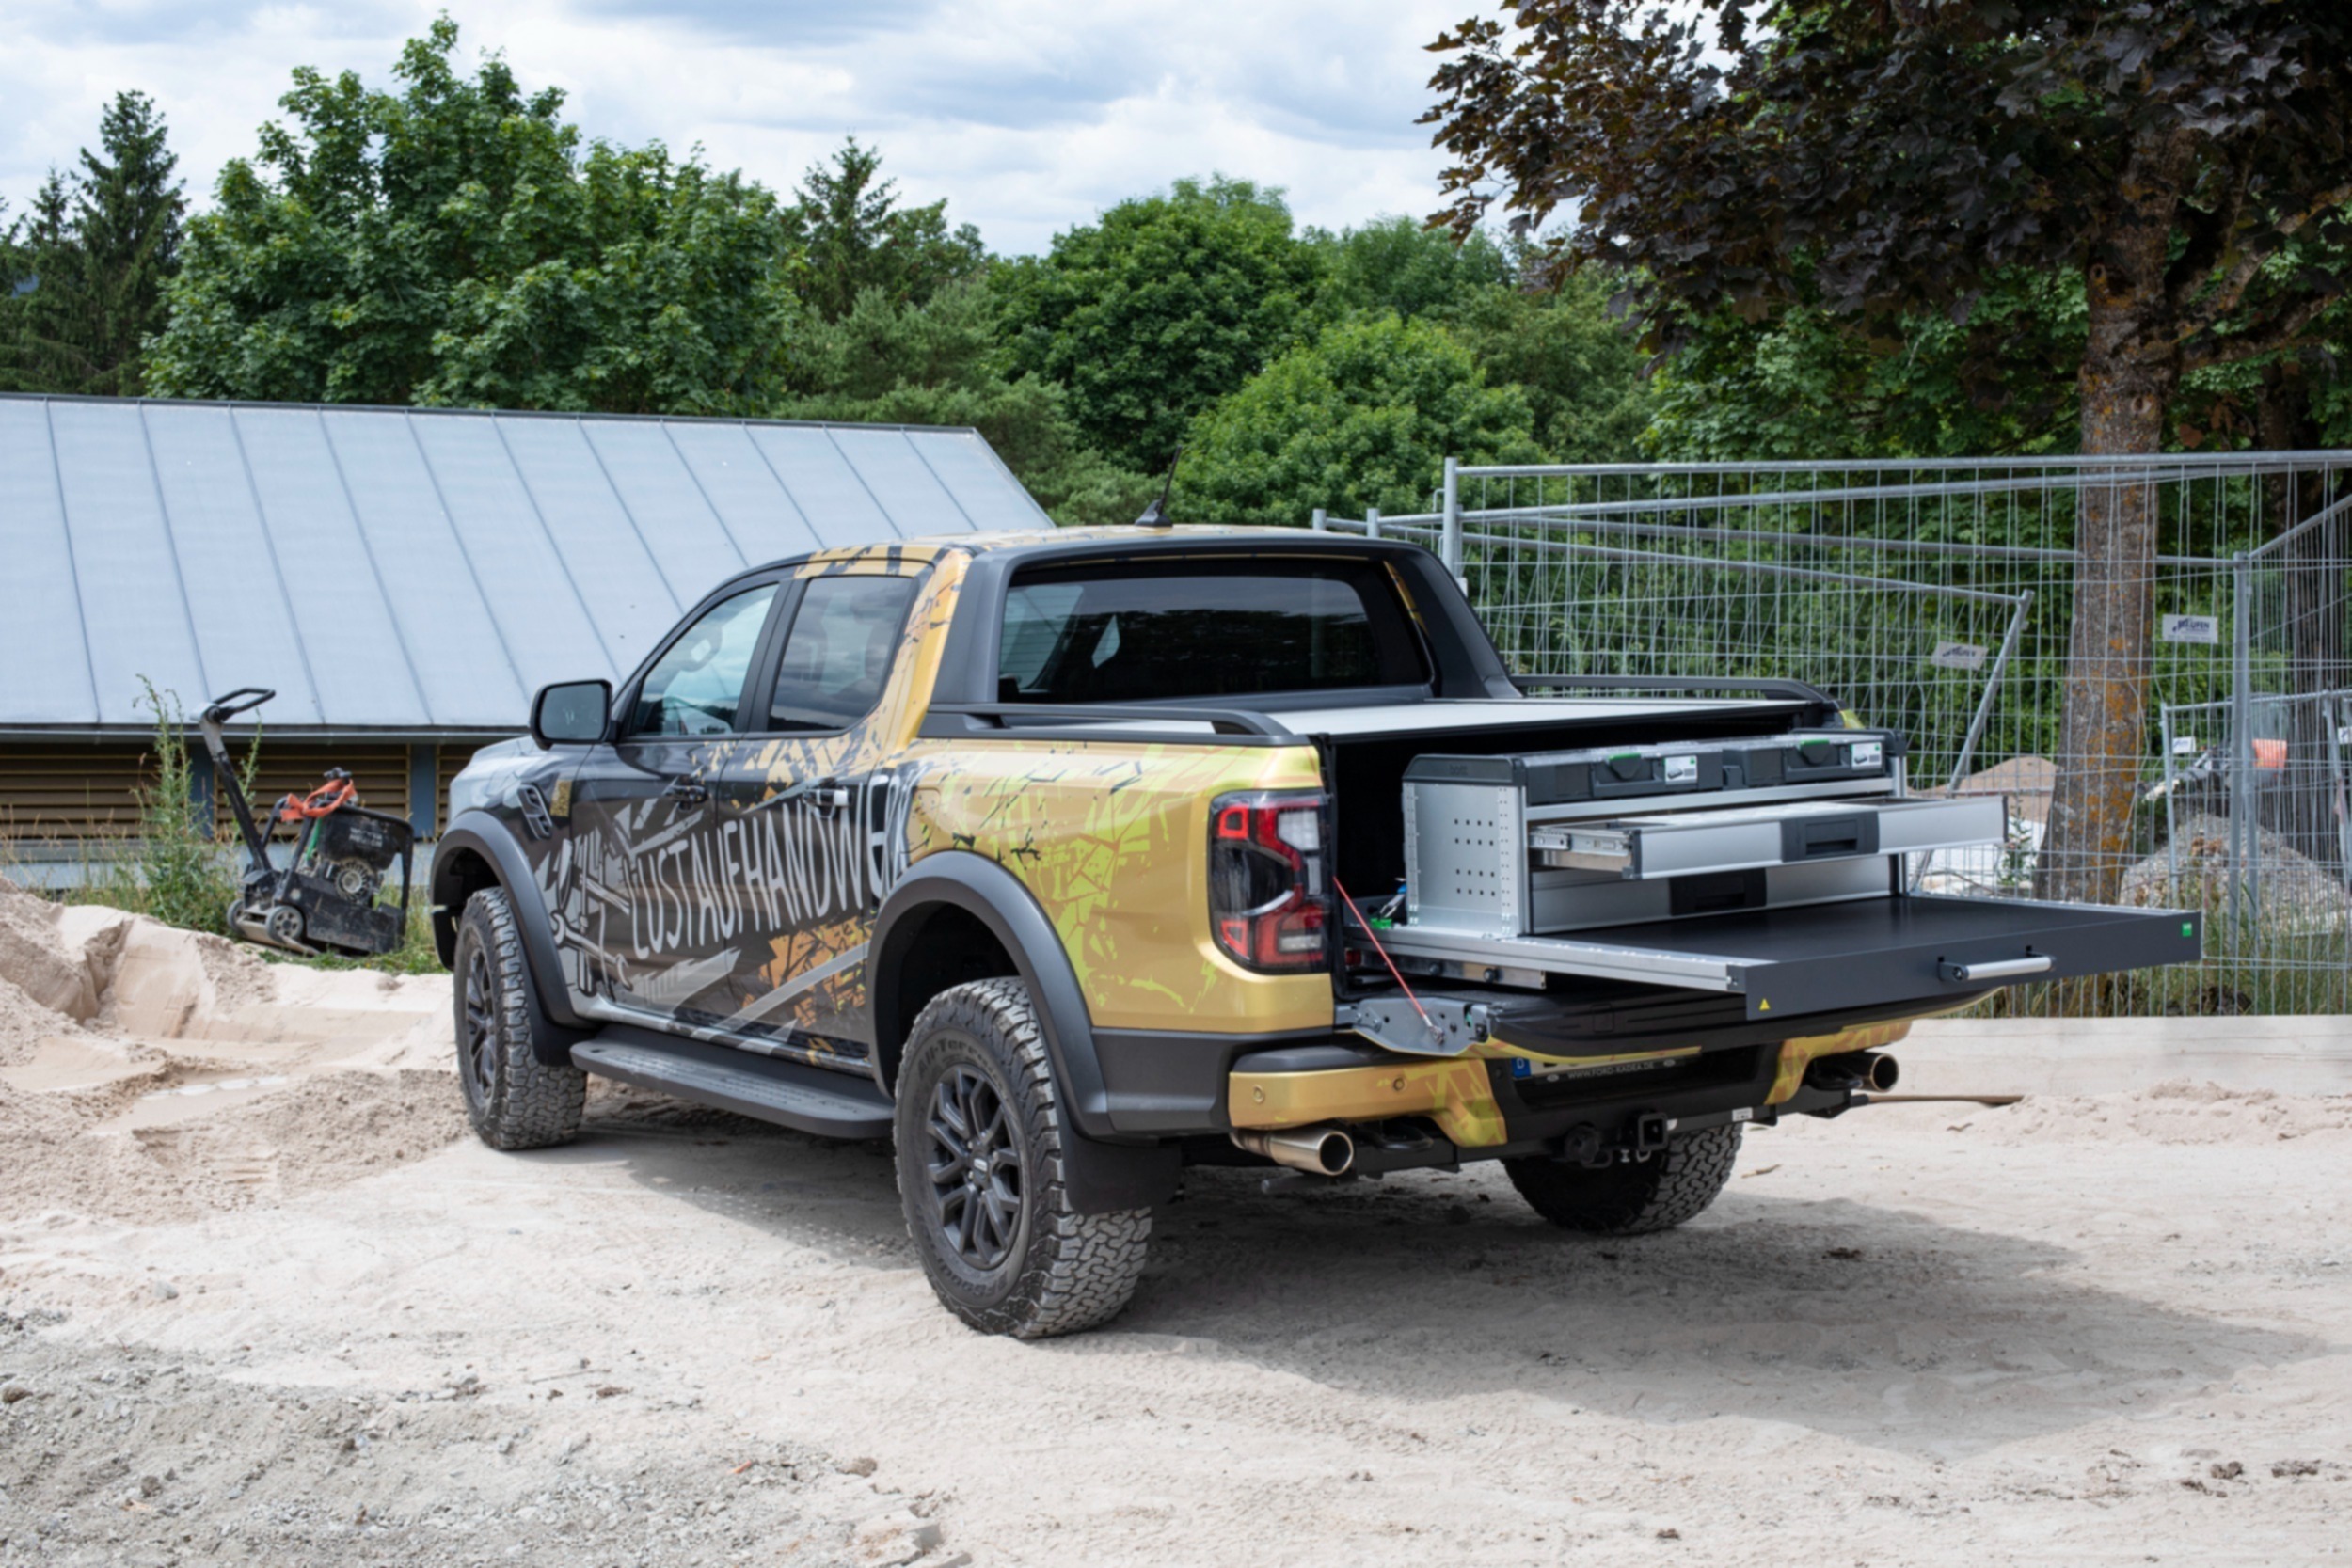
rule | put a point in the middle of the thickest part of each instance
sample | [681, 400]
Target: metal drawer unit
[1519, 845]
[1741, 837]
[1766, 868]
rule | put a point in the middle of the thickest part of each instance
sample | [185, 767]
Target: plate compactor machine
[324, 899]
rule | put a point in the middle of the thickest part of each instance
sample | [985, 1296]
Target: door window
[839, 655]
[697, 685]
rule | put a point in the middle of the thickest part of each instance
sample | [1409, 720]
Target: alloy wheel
[974, 1167]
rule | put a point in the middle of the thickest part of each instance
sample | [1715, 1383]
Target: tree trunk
[2130, 371]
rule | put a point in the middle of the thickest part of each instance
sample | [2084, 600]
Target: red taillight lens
[1267, 906]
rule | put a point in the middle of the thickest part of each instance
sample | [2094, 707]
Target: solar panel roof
[412, 570]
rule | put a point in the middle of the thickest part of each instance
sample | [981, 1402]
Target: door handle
[686, 791]
[2000, 969]
[824, 792]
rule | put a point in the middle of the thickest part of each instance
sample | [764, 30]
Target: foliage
[857, 238]
[179, 870]
[1400, 265]
[1571, 356]
[1885, 162]
[451, 244]
[1365, 416]
[1807, 386]
[940, 363]
[93, 258]
[1167, 304]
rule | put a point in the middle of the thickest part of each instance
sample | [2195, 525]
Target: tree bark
[2131, 368]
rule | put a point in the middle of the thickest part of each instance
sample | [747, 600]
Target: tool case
[1771, 866]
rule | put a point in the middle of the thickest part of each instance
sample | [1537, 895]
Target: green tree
[940, 363]
[1401, 264]
[450, 242]
[858, 238]
[1888, 159]
[1807, 385]
[1562, 347]
[1167, 304]
[1556, 340]
[1364, 415]
[94, 260]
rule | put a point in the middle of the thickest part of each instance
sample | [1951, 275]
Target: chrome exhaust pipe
[1321, 1150]
[1872, 1070]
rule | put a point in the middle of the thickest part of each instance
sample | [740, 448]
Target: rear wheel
[1631, 1197]
[980, 1135]
[514, 1099]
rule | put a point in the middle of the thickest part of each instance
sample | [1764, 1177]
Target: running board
[790, 1094]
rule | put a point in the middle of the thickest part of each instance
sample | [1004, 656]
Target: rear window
[1142, 631]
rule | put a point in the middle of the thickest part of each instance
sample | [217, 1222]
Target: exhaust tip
[1335, 1151]
[1883, 1073]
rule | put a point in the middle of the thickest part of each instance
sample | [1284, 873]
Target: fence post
[1319, 522]
[2242, 881]
[1372, 522]
[1450, 541]
[2171, 825]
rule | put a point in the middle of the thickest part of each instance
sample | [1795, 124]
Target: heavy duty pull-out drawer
[1823, 957]
[1685, 844]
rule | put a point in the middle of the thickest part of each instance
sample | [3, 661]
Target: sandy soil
[260, 1301]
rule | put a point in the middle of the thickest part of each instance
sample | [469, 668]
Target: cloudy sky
[1030, 115]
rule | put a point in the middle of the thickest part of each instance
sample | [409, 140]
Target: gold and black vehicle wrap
[1200, 892]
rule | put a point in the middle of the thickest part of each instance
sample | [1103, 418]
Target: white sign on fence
[1957, 656]
[2192, 628]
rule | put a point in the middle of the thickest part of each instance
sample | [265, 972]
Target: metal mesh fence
[2204, 764]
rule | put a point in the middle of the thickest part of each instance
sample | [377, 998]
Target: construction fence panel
[1952, 602]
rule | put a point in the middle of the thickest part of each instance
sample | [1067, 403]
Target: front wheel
[980, 1133]
[1632, 1198]
[514, 1099]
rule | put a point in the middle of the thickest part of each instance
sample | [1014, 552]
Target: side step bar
[790, 1094]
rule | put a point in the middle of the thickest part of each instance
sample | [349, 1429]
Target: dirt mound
[2028, 782]
[152, 1073]
[2292, 891]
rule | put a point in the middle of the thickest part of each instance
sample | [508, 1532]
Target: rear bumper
[1497, 1104]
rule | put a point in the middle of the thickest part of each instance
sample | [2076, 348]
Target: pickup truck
[1068, 859]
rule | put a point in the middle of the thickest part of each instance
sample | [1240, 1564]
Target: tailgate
[1822, 957]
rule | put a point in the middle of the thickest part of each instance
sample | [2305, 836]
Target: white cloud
[1029, 116]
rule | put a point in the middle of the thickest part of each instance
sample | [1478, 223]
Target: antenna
[1155, 515]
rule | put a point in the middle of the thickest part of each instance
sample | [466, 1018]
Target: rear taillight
[1267, 903]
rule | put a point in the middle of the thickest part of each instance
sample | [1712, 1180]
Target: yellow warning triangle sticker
[1763, 1006]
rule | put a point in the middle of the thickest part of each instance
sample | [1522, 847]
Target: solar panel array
[412, 570]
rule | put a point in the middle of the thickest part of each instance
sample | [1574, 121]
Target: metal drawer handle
[2000, 969]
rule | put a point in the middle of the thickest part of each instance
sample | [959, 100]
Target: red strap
[1375, 938]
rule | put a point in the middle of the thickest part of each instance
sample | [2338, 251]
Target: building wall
[59, 797]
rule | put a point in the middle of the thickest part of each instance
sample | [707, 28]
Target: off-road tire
[1632, 1198]
[514, 1099]
[1061, 1271]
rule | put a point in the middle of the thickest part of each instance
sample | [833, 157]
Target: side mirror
[571, 713]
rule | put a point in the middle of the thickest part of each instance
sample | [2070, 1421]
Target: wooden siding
[64, 791]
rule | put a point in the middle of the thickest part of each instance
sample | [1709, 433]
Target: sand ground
[261, 1300]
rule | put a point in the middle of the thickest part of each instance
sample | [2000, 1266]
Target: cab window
[696, 686]
[837, 661]
[1135, 631]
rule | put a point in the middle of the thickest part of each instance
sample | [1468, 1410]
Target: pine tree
[97, 250]
[857, 237]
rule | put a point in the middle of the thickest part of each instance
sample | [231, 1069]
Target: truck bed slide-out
[1822, 957]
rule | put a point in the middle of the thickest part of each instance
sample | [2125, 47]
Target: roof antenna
[1155, 515]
